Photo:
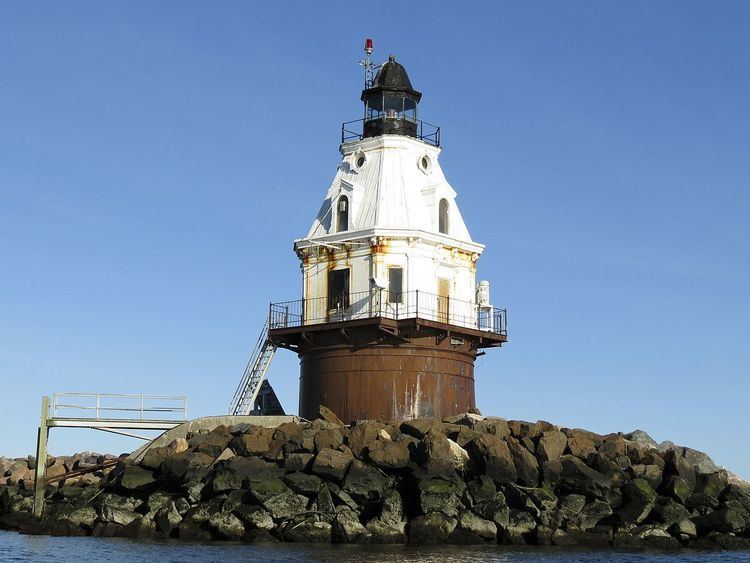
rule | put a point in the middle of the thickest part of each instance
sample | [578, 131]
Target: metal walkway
[243, 402]
[107, 412]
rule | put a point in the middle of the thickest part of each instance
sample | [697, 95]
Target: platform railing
[421, 130]
[115, 406]
[382, 303]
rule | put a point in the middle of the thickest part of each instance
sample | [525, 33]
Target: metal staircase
[243, 402]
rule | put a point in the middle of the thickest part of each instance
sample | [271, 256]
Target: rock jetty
[464, 480]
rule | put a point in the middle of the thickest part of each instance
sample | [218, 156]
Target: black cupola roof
[392, 77]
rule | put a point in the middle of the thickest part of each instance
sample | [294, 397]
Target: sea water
[17, 547]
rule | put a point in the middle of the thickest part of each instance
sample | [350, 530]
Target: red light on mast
[368, 46]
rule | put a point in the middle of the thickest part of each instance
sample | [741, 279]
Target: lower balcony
[382, 304]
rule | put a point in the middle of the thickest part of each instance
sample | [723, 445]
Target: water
[16, 547]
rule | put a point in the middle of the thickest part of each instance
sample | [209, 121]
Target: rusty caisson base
[384, 369]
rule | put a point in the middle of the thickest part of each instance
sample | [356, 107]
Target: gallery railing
[382, 303]
[357, 130]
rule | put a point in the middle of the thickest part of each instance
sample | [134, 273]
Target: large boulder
[364, 482]
[387, 532]
[420, 427]
[485, 529]
[324, 413]
[213, 442]
[527, 466]
[551, 446]
[254, 517]
[431, 528]
[491, 425]
[348, 529]
[439, 495]
[676, 464]
[331, 464]
[576, 477]
[227, 525]
[387, 454]
[580, 443]
[330, 438]
[136, 478]
[495, 509]
[490, 455]
[361, 435]
[255, 441]
[307, 529]
[303, 483]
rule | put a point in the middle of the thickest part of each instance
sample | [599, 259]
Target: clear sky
[157, 159]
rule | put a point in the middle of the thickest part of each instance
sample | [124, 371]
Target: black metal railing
[421, 130]
[377, 303]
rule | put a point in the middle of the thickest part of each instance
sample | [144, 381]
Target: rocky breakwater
[464, 480]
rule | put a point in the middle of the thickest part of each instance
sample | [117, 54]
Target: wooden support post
[41, 460]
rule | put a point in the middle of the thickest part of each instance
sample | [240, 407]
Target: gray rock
[496, 510]
[420, 427]
[572, 504]
[307, 531]
[527, 466]
[298, 461]
[387, 532]
[684, 528]
[362, 435]
[481, 527]
[576, 477]
[255, 441]
[117, 515]
[348, 529]
[324, 501]
[227, 525]
[438, 495]
[363, 482]
[677, 465]
[431, 528]
[593, 513]
[388, 454]
[331, 464]
[640, 436]
[724, 520]
[167, 520]
[667, 512]
[141, 527]
[254, 517]
[324, 413]
[490, 456]
[520, 525]
[285, 505]
[551, 445]
[303, 483]
[136, 478]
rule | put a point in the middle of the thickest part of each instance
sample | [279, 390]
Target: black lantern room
[391, 102]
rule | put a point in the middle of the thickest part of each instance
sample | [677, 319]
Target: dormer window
[443, 217]
[342, 214]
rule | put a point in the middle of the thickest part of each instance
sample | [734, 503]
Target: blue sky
[158, 159]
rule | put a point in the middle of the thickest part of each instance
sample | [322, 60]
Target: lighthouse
[391, 317]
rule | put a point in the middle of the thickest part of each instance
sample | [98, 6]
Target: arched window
[443, 218]
[342, 214]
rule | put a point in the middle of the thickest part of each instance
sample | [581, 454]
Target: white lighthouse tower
[391, 317]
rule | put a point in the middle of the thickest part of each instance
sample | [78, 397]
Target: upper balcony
[427, 308]
[385, 124]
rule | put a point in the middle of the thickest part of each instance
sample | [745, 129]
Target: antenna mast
[368, 64]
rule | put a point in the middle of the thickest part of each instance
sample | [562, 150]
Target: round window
[424, 163]
[360, 161]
